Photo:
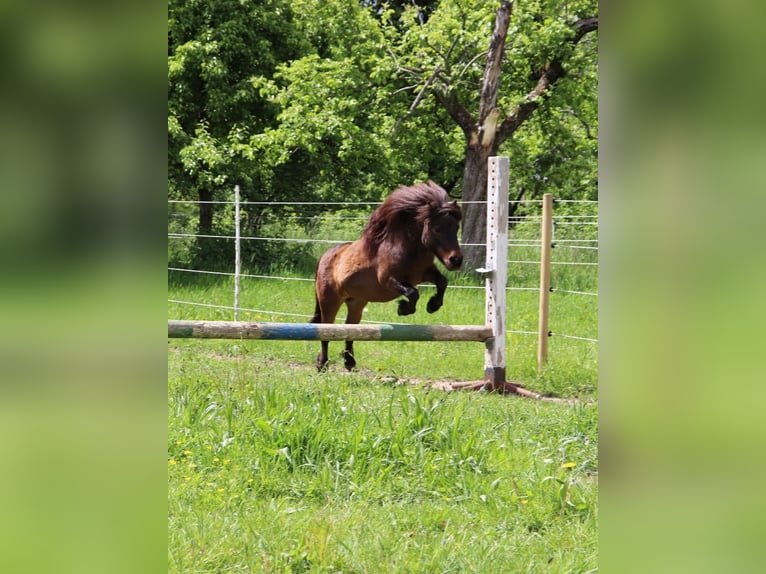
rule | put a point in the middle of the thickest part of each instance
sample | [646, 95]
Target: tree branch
[455, 109]
[415, 72]
[449, 51]
[583, 27]
[468, 65]
[404, 89]
[490, 79]
[584, 124]
[550, 74]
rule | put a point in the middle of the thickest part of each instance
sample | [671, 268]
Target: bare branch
[452, 47]
[404, 89]
[468, 65]
[418, 98]
[393, 56]
[583, 27]
[416, 72]
[423, 90]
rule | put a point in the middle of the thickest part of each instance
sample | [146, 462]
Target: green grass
[273, 467]
[276, 468]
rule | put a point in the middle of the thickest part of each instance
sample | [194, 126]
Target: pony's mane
[406, 209]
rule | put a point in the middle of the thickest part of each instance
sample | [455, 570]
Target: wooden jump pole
[325, 331]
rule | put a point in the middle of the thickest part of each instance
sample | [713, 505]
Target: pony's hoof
[348, 361]
[433, 305]
[405, 308]
[321, 364]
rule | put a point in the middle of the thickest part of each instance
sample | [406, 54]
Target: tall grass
[276, 468]
[273, 467]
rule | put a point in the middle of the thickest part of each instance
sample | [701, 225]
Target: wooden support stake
[237, 261]
[545, 280]
[496, 270]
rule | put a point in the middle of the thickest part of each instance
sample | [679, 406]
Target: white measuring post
[496, 270]
[237, 258]
[546, 243]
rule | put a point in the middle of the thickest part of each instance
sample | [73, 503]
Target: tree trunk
[205, 212]
[475, 214]
[481, 143]
[205, 247]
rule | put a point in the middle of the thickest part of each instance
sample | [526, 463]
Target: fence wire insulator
[550, 334]
[576, 292]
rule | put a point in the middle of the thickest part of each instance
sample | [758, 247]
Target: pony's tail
[317, 318]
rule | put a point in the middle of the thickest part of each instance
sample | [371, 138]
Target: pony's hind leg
[326, 311]
[353, 317]
[348, 356]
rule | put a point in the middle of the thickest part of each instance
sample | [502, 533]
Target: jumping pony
[395, 253]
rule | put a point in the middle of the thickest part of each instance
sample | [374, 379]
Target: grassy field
[273, 467]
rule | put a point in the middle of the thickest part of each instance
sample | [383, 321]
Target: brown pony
[395, 253]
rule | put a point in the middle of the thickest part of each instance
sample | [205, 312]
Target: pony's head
[441, 219]
[419, 212]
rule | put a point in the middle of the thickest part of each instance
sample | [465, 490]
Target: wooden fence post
[237, 261]
[496, 270]
[546, 243]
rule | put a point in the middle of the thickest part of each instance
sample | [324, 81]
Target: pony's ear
[456, 211]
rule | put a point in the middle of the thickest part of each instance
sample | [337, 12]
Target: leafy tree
[542, 44]
[391, 10]
[216, 50]
[323, 100]
[326, 144]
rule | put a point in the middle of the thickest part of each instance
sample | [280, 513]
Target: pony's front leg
[405, 307]
[437, 300]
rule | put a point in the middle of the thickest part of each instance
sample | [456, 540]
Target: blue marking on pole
[290, 331]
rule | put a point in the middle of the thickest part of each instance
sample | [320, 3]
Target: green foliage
[327, 145]
[330, 100]
[215, 49]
